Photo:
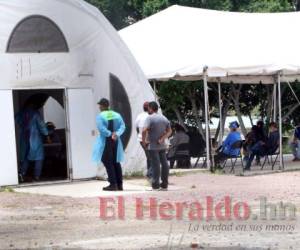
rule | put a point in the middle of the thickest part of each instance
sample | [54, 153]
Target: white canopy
[240, 47]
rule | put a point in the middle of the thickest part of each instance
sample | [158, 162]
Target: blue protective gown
[32, 129]
[102, 124]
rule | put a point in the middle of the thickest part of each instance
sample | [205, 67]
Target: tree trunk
[240, 118]
[179, 117]
[235, 96]
[251, 120]
[291, 110]
[224, 116]
[197, 116]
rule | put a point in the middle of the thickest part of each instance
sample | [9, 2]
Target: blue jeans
[256, 150]
[148, 157]
[38, 166]
[295, 146]
[160, 168]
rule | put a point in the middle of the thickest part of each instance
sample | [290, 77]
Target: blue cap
[234, 124]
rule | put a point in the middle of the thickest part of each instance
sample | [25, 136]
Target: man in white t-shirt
[140, 124]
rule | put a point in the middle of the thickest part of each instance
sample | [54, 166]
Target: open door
[81, 112]
[8, 154]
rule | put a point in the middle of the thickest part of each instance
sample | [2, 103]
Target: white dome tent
[66, 49]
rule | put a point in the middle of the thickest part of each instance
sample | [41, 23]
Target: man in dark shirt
[262, 148]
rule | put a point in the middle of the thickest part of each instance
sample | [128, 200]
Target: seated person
[251, 138]
[295, 145]
[260, 135]
[226, 150]
[262, 148]
[52, 132]
[180, 137]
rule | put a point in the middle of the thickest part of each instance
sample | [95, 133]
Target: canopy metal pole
[155, 90]
[280, 121]
[275, 104]
[208, 160]
[221, 132]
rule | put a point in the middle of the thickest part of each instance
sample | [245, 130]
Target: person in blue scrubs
[227, 150]
[32, 129]
[108, 148]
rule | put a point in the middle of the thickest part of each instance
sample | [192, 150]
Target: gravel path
[47, 222]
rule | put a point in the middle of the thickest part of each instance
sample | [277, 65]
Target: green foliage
[124, 12]
[178, 95]
[6, 190]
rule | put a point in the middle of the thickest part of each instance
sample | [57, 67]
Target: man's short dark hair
[273, 125]
[146, 106]
[104, 102]
[153, 106]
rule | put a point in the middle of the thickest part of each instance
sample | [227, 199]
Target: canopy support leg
[221, 132]
[275, 103]
[280, 122]
[206, 100]
[155, 90]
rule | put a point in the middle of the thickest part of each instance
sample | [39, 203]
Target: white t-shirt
[140, 123]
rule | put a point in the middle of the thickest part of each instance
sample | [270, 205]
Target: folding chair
[269, 158]
[197, 148]
[234, 159]
[182, 155]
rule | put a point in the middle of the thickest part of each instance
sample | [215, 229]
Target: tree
[183, 101]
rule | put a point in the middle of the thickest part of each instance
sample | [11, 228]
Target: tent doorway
[51, 106]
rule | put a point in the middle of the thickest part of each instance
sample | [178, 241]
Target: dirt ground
[46, 222]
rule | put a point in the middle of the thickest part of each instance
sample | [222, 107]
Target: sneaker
[154, 188]
[111, 188]
[163, 187]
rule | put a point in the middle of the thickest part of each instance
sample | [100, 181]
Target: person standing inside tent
[32, 130]
[295, 145]
[108, 148]
[140, 124]
[158, 129]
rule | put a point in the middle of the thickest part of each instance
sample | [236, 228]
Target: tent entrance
[50, 104]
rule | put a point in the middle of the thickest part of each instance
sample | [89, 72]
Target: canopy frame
[277, 84]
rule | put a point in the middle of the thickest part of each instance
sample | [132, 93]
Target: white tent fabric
[240, 47]
[95, 53]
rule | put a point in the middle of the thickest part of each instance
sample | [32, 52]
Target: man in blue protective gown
[32, 130]
[108, 148]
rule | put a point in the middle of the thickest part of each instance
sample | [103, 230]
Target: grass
[6, 190]
[134, 175]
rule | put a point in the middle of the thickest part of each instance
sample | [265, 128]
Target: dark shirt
[297, 133]
[260, 135]
[273, 141]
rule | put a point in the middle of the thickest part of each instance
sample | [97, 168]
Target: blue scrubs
[103, 120]
[32, 130]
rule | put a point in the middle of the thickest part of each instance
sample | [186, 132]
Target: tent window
[120, 103]
[37, 34]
